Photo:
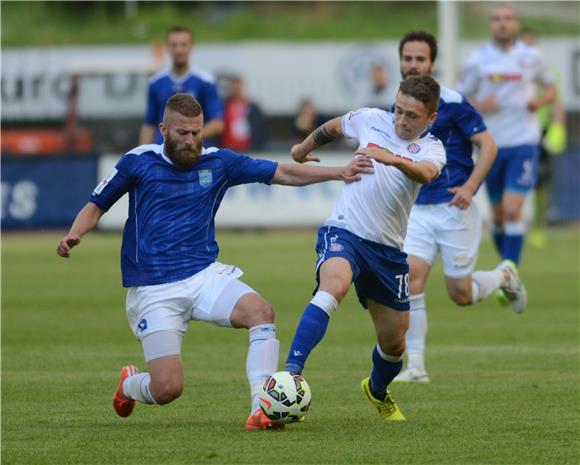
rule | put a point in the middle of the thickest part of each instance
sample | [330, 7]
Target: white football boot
[513, 288]
[412, 375]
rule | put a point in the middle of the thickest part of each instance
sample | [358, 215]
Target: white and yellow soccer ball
[285, 397]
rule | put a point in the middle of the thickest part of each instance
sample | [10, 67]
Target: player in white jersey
[169, 252]
[444, 220]
[500, 79]
[362, 240]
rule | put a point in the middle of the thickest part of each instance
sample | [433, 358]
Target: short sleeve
[470, 78]
[354, 122]
[436, 153]
[543, 75]
[117, 183]
[467, 118]
[242, 169]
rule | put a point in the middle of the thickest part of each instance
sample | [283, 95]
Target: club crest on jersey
[205, 178]
[413, 148]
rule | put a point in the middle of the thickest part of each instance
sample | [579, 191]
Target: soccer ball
[285, 397]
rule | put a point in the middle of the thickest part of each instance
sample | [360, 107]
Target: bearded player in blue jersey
[444, 219]
[169, 252]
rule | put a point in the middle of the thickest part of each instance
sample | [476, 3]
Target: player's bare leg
[162, 383]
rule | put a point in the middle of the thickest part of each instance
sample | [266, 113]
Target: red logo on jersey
[499, 77]
[370, 144]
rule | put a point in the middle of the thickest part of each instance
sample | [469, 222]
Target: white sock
[325, 301]
[417, 332]
[484, 283]
[137, 387]
[262, 358]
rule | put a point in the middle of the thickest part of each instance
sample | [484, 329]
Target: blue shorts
[515, 170]
[379, 272]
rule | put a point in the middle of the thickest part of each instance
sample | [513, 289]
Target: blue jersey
[457, 121]
[164, 85]
[170, 232]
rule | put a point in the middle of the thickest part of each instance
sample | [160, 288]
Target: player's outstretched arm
[291, 174]
[422, 172]
[322, 135]
[86, 220]
[463, 195]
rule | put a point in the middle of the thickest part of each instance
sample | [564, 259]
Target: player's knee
[264, 313]
[511, 214]
[337, 288]
[394, 345]
[461, 297]
[167, 392]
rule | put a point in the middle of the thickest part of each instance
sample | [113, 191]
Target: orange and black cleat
[259, 421]
[123, 405]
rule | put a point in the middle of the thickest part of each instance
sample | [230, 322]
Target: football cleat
[123, 405]
[259, 421]
[513, 289]
[412, 375]
[387, 408]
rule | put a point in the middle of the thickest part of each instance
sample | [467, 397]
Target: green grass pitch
[504, 390]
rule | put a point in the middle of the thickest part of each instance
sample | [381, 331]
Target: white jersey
[511, 77]
[377, 207]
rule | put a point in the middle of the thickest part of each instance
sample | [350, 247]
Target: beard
[182, 156]
[412, 72]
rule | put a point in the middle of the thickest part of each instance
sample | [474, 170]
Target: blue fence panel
[45, 191]
[565, 193]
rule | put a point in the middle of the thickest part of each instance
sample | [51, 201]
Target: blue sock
[512, 247]
[498, 237]
[309, 333]
[513, 241]
[382, 374]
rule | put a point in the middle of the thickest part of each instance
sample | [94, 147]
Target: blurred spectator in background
[501, 79]
[244, 124]
[553, 142]
[379, 84]
[307, 120]
[181, 77]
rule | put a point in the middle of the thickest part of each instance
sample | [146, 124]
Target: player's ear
[163, 129]
[432, 118]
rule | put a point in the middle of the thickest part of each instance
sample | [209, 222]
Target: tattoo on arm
[321, 137]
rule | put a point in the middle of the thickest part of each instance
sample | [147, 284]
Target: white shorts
[445, 229]
[170, 307]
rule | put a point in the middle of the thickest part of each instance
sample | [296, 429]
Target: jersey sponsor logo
[413, 148]
[384, 133]
[205, 178]
[370, 144]
[105, 182]
[499, 77]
